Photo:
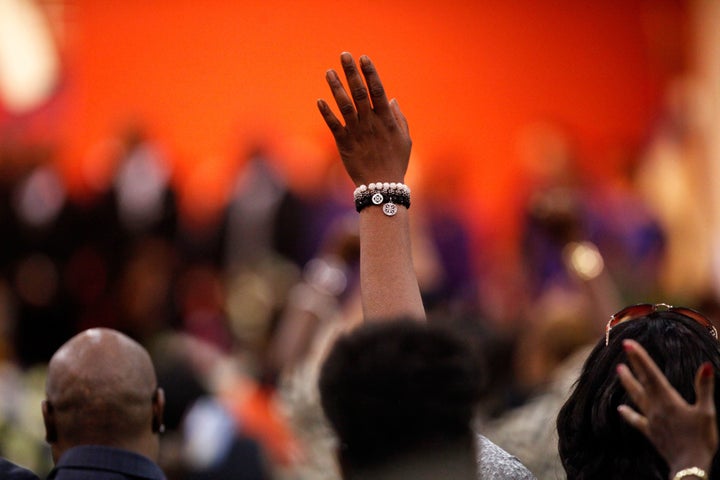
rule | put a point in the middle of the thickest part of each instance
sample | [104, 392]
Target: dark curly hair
[390, 387]
[594, 441]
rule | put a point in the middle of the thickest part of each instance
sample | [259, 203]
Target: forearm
[375, 145]
[387, 275]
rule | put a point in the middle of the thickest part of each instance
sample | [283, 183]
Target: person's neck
[146, 446]
[455, 462]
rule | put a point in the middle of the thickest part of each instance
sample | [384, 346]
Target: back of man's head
[390, 389]
[101, 389]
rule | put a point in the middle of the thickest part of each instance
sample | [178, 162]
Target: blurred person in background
[676, 157]
[125, 206]
[10, 471]
[36, 245]
[202, 439]
[444, 259]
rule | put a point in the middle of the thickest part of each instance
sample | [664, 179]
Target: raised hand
[374, 143]
[685, 435]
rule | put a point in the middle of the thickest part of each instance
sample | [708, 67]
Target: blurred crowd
[237, 305]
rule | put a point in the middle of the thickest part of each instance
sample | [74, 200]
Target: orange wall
[469, 74]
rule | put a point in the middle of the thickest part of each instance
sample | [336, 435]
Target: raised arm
[374, 144]
[685, 435]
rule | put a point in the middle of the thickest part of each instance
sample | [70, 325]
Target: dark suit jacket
[96, 462]
[10, 471]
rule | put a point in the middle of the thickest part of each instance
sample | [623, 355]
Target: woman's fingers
[634, 418]
[342, 99]
[358, 91]
[634, 388]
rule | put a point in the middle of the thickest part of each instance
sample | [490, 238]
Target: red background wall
[207, 76]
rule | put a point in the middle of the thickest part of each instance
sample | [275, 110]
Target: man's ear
[48, 414]
[158, 407]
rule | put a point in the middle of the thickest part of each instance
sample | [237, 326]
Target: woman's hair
[594, 441]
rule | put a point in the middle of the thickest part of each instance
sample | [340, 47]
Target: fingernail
[618, 367]
[364, 60]
[345, 57]
[627, 345]
[707, 370]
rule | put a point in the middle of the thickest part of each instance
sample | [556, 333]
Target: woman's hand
[374, 143]
[685, 435]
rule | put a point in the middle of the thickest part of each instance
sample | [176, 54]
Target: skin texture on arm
[374, 144]
[685, 435]
[101, 389]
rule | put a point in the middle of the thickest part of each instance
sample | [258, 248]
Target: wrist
[388, 176]
[689, 456]
[684, 467]
[690, 473]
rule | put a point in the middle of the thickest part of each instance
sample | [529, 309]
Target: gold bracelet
[685, 472]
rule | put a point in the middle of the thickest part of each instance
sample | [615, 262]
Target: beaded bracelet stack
[389, 195]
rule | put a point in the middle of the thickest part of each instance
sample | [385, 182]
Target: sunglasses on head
[634, 311]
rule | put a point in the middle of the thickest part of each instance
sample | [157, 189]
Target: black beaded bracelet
[389, 201]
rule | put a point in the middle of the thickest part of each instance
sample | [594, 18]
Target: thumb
[705, 387]
[399, 116]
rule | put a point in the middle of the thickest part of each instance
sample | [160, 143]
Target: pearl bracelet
[686, 472]
[387, 194]
[382, 187]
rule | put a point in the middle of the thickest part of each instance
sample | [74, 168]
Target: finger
[633, 387]
[705, 387]
[357, 87]
[377, 91]
[634, 418]
[336, 128]
[342, 99]
[646, 371]
[399, 117]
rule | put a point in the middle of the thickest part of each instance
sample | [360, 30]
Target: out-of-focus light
[584, 259]
[40, 198]
[29, 64]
